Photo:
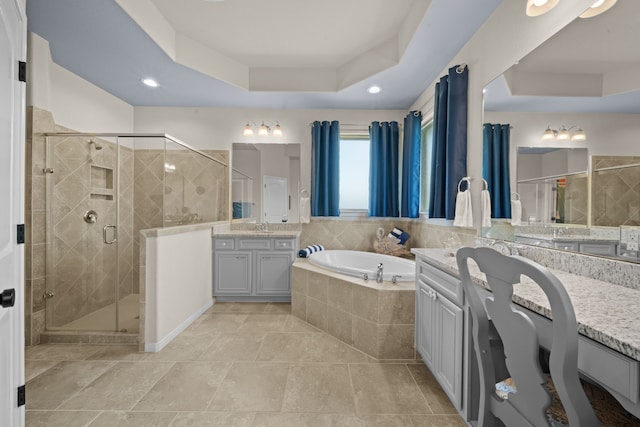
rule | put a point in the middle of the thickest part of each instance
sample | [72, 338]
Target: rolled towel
[400, 234]
[303, 253]
[516, 212]
[486, 208]
[463, 215]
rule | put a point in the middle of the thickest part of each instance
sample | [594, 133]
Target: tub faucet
[379, 274]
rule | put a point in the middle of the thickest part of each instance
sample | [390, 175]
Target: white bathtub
[357, 263]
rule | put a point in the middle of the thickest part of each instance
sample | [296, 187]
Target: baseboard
[155, 347]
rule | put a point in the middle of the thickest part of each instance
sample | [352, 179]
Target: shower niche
[101, 182]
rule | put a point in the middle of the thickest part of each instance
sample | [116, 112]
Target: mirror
[584, 77]
[265, 182]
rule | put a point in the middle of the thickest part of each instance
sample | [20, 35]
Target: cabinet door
[425, 305]
[232, 273]
[448, 341]
[273, 273]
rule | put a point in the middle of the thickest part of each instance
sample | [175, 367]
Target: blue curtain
[410, 200]
[325, 168]
[383, 169]
[495, 167]
[449, 160]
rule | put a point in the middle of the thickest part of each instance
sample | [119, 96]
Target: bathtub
[357, 263]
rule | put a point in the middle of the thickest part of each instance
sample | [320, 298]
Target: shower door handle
[104, 234]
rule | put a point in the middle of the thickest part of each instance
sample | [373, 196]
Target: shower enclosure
[101, 190]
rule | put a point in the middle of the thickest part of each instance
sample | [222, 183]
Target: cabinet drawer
[441, 282]
[254, 244]
[224, 243]
[287, 244]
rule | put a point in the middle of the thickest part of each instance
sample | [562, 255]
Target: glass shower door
[82, 233]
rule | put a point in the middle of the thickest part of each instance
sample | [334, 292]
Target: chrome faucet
[379, 274]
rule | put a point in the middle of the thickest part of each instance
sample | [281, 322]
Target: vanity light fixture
[564, 134]
[540, 7]
[263, 129]
[600, 6]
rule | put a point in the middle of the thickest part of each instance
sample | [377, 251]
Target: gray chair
[507, 344]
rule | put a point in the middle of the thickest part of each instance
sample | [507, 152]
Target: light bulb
[277, 130]
[579, 135]
[150, 82]
[548, 134]
[563, 134]
[248, 130]
[263, 130]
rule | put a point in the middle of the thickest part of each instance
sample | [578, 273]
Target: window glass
[426, 153]
[354, 173]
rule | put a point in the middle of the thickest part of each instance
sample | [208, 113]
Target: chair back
[506, 343]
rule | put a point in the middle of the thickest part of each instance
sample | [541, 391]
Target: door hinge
[22, 71]
[21, 396]
[20, 234]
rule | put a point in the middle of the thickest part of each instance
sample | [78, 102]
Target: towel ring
[485, 184]
[515, 196]
[467, 179]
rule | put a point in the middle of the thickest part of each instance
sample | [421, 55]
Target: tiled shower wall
[616, 192]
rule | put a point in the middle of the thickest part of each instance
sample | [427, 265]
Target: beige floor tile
[436, 397]
[279, 307]
[183, 348]
[60, 351]
[218, 322]
[252, 387]
[287, 347]
[246, 307]
[265, 419]
[233, 347]
[133, 419]
[437, 421]
[33, 368]
[59, 418]
[318, 387]
[120, 388]
[213, 419]
[386, 389]
[294, 324]
[329, 349]
[188, 386]
[263, 323]
[387, 420]
[61, 382]
[118, 352]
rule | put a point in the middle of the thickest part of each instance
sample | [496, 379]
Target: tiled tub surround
[377, 319]
[606, 313]
[615, 192]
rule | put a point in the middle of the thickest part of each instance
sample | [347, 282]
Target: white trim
[155, 347]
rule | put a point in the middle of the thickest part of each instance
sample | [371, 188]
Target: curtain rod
[361, 126]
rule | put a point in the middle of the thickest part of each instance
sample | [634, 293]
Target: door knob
[8, 298]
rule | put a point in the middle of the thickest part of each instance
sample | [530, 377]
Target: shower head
[98, 146]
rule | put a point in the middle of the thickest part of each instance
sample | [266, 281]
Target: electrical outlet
[633, 240]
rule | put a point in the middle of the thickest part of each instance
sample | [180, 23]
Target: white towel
[464, 215]
[305, 210]
[486, 208]
[516, 212]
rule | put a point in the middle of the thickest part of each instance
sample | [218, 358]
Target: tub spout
[394, 279]
[379, 274]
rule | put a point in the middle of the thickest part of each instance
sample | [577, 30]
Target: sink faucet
[379, 274]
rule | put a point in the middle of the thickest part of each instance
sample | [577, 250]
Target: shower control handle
[104, 234]
[90, 216]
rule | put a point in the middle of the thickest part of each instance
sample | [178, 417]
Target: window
[354, 172]
[426, 152]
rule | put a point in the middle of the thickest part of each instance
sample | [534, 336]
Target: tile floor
[239, 364]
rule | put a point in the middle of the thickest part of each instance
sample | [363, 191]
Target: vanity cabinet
[440, 328]
[253, 268]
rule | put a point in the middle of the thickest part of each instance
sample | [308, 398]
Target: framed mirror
[583, 79]
[265, 182]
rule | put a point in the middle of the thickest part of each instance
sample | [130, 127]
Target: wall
[176, 270]
[506, 37]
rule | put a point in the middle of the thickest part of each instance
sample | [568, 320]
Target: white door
[12, 50]
[275, 199]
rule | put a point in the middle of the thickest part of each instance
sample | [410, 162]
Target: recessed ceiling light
[374, 89]
[150, 82]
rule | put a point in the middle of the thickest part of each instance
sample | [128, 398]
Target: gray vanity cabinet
[253, 268]
[440, 328]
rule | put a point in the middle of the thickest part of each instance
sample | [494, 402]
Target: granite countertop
[605, 312]
[255, 233]
[567, 238]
